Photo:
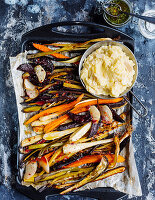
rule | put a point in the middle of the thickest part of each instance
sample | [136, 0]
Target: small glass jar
[147, 29]
[121, 24]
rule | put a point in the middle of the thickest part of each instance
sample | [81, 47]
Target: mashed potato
[107, 71]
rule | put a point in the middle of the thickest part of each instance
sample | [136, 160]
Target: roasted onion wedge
[95, 114]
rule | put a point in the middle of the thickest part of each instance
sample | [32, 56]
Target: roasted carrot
[61, 108]
[85, 160]
[94, 159]
[100, 101]
[46, 49]
[80, 110]
[49, 155]
[51, 126]
[111, 158]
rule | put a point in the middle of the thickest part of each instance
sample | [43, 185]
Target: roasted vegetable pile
[77, 138]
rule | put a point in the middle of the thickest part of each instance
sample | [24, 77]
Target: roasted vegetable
[80, 118]
[31, 90]
[127, 133]
[116, 116]
[66, 60]
[38, 129]
[106, 114]
[72, 175]
[51, 116]
[27, 67]
[28, 85]
[54, 124]
[46, 49]
[54, 109]
[80, 132]
[93, 159]
[68, 81]
[58, 134]
[37, 146]
[66, 48]
[103, 176]
[32, 93]
[73, 135]
[45, 62]
[73, 148]
[41, 123]
[31, 109]
[110, 173]
[55, 155]
[72, 86]
[43, 162]
[94, 174]
[25, 75]
[90, 102]
[31, 140]
[58, 74]
[40, 72]
[63, 70]
[95, 114]
[69, 159]
[68, 126]
[118, 104]
[117, 149]
[30, 170]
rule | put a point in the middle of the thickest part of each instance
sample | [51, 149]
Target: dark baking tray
[74, 31]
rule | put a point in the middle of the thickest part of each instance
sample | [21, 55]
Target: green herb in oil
[114, 10]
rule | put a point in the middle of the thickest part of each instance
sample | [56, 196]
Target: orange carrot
[100, 101]
[61, 108]
[111, 158]
[54, 124]
[46, 49]
[85, 160]
[49, 154]
[80, 110]
[94, 159]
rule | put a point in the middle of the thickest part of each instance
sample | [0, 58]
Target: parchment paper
[127, 182]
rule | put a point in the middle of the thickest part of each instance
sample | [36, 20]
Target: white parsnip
[106, 114]
[51, 116]
[40, 72]
[28, 85]
[58, 134]
[30, 169]
[74, 148]
[80, 132]
[32, 93]
[40, 123]
[31, 140]
[38, 129]
[95, 114]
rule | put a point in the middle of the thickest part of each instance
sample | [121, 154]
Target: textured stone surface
[20, 16]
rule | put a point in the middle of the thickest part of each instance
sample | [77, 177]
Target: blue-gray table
[20, 16]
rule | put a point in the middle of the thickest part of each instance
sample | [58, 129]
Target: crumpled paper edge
[126, 182]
